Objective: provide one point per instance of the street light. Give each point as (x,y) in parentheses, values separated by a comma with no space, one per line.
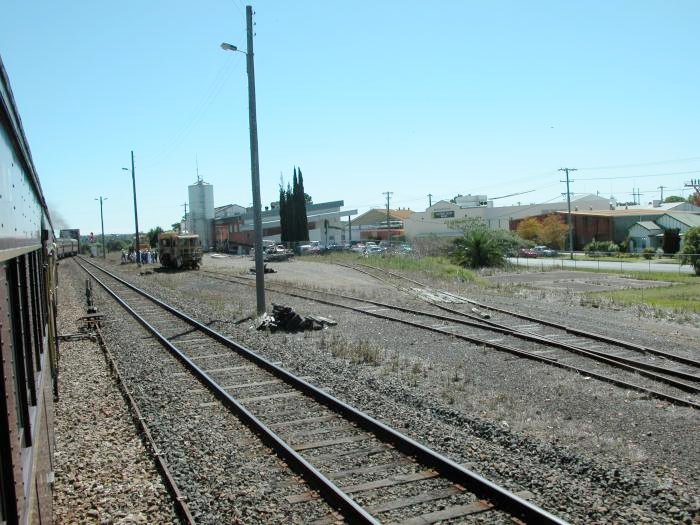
(254,167)
(136,215)
(102,223)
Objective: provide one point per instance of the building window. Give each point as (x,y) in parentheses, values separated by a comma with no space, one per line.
(448,214)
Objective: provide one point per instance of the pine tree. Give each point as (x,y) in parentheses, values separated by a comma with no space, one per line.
(301,209)
(289,214)
(284,235)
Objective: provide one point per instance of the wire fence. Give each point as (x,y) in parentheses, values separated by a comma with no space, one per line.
(611,261)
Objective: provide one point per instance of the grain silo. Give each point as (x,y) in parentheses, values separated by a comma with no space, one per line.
(201,215)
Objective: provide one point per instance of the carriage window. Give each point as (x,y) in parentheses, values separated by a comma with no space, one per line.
(22,392)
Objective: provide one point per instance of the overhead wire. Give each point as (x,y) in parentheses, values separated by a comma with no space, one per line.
(215,88)
(641,164)
(641,176)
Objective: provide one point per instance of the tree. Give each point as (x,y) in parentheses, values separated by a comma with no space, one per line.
(153,236)
(294,224)
(478,248)
(691,249)
(694,198)
(553,231)
(672,240)
(530,229)
(300,200)
(176,226)
(284,224)
(674,198)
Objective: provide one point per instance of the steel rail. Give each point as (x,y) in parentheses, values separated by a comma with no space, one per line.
(504,499)
(631,365)
(574,331)
(328,490)
(509,349)
(181,506)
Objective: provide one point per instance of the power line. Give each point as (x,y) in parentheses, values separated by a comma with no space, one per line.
(655,163)
(644,176)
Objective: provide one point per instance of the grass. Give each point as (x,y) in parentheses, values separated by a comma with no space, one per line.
(683,295)
(358,353)
(433,266)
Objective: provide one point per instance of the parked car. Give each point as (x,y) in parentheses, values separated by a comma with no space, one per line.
(545,251)
(373,250)
(527,252)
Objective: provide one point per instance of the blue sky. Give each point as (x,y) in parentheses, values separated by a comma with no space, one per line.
(446,98)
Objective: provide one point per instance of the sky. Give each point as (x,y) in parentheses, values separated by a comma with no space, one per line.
(443,98)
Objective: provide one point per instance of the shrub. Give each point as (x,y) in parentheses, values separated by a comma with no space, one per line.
(691,249)
(598,248)
(477,249)
(648,253)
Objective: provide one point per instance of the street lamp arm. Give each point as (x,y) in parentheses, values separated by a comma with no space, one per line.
(230,47)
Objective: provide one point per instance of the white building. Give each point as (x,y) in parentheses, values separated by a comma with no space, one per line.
(434,220)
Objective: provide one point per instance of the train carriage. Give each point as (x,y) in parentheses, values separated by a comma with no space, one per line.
(28,343)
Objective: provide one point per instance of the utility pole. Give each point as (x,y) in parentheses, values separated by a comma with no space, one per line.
(695,184)
(430,200)
(568,203)
(254,167)
(662,192)
(187,226)
(254,164)
(136,214)
(388,227)
(102,223)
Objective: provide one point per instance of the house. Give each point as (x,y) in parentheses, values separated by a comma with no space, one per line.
(645,234)
(372,224)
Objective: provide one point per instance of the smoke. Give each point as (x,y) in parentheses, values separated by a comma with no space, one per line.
(58,221)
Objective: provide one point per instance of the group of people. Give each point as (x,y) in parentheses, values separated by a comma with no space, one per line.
(145,256)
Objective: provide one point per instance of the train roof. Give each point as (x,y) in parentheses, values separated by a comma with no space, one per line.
(12,121)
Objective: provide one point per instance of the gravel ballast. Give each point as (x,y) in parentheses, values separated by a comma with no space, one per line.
(586,450)
(103,473)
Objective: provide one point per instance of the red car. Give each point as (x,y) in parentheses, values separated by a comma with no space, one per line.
(527,252)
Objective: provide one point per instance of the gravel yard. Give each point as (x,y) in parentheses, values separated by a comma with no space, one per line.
(588,451)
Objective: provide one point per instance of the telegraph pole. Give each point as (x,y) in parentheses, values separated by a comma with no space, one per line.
(662,193)
(187,226)
(430,200)
(102,223)
(568,203)
(136,214)
(254,167)
(388,227)
(695,184)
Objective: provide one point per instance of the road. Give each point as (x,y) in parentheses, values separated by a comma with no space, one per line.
(621,265)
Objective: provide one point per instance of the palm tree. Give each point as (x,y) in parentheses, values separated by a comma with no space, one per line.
(478,248)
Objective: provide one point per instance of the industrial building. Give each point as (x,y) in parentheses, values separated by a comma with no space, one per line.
(201,199)
(435,220)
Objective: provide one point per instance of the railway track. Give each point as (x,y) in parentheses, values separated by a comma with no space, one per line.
(366,470)
(524,342)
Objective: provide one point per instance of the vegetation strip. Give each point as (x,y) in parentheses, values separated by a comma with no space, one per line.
(502,498)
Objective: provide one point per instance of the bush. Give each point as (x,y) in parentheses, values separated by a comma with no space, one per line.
(648,253)
(598,248)
(691,249)
(477,249)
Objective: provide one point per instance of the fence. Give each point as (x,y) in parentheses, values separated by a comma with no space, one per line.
(609,261)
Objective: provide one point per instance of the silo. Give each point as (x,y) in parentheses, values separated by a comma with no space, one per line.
(201,213)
